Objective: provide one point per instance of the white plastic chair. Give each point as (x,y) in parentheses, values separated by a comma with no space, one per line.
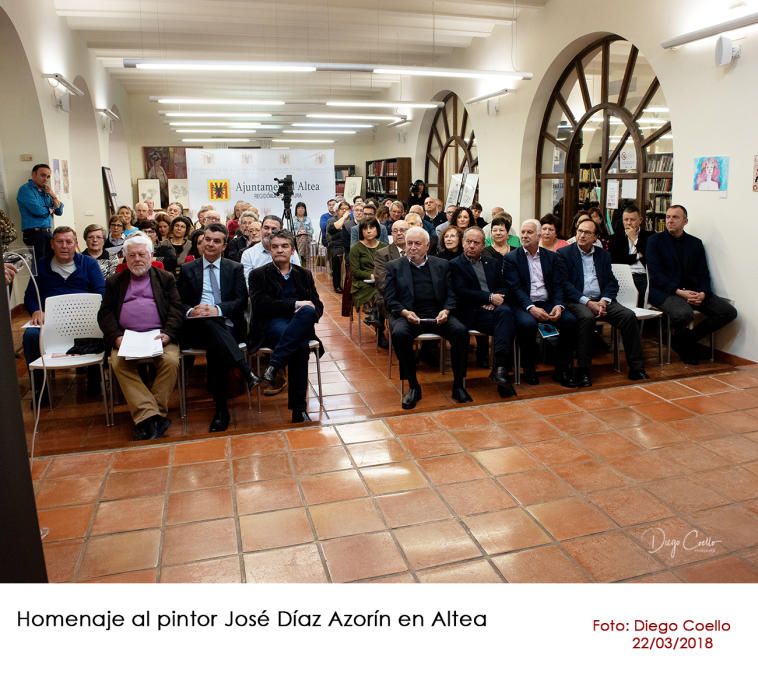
(627,296)
(67,317)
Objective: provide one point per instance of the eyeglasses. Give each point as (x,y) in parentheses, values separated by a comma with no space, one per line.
(584,232)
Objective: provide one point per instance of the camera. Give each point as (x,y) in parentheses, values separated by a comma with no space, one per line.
(285,189)
(416,187)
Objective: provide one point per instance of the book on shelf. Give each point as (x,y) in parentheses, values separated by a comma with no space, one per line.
(660,162)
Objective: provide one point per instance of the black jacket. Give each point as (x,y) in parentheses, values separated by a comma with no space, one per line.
(266,284)
(166,300)
(572,258)
(518,279)
(468,293)
(619,248)
(398,286)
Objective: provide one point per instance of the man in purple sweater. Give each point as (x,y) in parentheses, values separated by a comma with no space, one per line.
(143,298)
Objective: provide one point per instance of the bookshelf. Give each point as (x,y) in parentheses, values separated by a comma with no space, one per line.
(589,174)
(660,168)
(390,177)
(341,173)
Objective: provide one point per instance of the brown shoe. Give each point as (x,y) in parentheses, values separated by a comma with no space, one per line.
(278,384)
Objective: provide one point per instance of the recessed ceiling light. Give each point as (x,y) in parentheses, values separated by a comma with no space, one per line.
(368,117)
(228,125)
(212,101)
(214,131)
(315,131)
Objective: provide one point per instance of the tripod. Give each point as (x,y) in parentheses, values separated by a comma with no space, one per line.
(287,215)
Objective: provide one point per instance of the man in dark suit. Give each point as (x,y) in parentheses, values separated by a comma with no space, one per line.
(286,308)
(420,299)
(591,291)
(680,284)
(214,296)
(629,249)
(480,302)
(393,251)
(534,278)
(143,298)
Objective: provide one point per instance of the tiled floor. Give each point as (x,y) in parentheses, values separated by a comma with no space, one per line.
(581,488)
(560,485)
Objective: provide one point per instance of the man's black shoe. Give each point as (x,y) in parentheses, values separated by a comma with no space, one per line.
(460,395)
(381,340)
(530,376)
(300,417)
(505,392)
(146,429)
(411,398)
(565,378)
(269,376)
(637,375)
(220,421)
(162,424)
(583,378)
(252,381)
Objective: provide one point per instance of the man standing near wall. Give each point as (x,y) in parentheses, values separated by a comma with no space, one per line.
(37,202)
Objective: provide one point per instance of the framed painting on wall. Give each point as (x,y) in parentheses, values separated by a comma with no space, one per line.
(163,163)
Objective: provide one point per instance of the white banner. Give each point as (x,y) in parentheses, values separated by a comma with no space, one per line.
(221,177)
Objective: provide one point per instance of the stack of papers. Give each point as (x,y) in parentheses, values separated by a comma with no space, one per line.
(141,345)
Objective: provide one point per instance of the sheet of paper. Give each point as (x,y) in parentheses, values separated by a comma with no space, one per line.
(139,345)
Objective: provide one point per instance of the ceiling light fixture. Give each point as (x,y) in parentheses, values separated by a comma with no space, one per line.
(302,140)
(324,125)
(450,72)
(713,30)
(488,96)
(214,131)
(217,115)
(227,125)
(213,101)
(212,140)
(400,122)
(109,114)
(368,117)
(315,131)
(385,105)
(231,66)
(56,80)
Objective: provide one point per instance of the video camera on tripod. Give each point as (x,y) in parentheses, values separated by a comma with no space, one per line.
(285,189)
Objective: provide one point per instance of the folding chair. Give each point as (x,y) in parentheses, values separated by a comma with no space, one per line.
(313,346)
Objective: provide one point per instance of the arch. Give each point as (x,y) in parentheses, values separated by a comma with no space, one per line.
(21,125)
(88,198)
(451,146)
(604,138)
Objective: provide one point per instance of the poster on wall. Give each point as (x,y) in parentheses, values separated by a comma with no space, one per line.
(711,174)
(755,173)
(221,177)
(352,188)
(178,191)
(148,189)
(163,163)
(57,182)
(612,195)
(454,190)
(628,158)
(470,182)
(65,180)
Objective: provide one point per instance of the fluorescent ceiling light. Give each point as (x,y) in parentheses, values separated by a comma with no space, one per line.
(315,131)
(368,117)
(214,131)
(655,110)
(316,125)
(212,140)
(228,125)
(651,120)
(385,105)
(220,66)
(212,101)
(450,72)
(110,114)
(302,140)
(400,122)
(713,30)
(217,115)
(488,96)
(56,80)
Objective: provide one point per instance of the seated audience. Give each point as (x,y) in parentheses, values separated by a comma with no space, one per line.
(420,299)
(432,212)
(94,239)
(369,214)
(591,291)
(494,214)
(65,272)
(115,235)
(476,215)
(258,254)
(535,280)
(285,310)
(550,226)
(680,284)
(248,234)
(479,289)
(441,228)
(141,214)
(415,217)
(162,224)
(127,219)
(630,249)
(362,257)
(603,236)
(452,243)
(175,209)
(214,296)
(178,238)
(501,241)
(233,223)
(143,298)
(331,207)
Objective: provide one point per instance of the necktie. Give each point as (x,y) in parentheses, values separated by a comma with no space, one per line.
(215,289)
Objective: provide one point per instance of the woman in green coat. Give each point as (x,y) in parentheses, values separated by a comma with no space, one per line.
(362,256)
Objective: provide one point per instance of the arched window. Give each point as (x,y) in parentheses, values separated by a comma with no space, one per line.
(606,137)
(451,147)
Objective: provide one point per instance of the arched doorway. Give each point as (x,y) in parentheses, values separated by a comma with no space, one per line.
(451,147)
(606,137)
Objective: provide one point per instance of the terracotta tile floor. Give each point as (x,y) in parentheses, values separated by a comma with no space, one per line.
(559,485)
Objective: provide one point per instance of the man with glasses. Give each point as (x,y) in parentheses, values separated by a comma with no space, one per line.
(259,254)
(591,290)
(420,300)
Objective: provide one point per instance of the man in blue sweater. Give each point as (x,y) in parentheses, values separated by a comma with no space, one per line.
(37,202)
(64,272)
(680,284)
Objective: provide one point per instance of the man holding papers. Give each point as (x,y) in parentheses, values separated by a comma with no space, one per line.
(143,299)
